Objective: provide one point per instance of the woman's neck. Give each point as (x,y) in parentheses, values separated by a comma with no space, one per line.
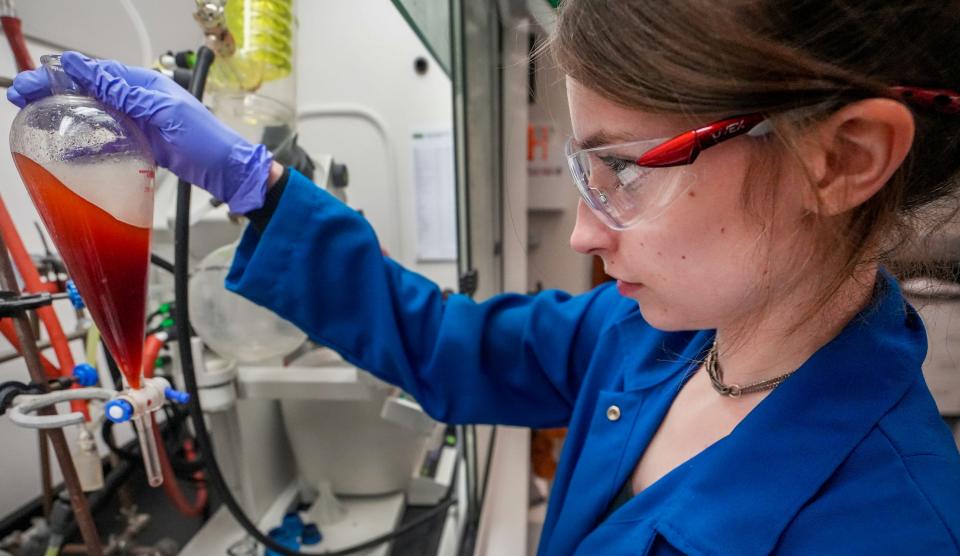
(777,344)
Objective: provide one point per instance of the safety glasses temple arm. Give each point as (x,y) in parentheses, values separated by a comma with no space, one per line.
(941,100)
(686,147)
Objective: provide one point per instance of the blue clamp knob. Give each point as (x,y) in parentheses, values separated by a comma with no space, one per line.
(284,538)
(311,534)
(85,375)
(176,396)
(74,294)
(292,523)
(118,411)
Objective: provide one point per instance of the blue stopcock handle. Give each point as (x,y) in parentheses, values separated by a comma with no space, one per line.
(74,294)
(118,411)
(85,375)
(176,396)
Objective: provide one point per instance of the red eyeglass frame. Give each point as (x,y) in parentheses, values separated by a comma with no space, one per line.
(686,147)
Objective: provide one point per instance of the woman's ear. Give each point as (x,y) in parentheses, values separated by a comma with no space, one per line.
(859,148)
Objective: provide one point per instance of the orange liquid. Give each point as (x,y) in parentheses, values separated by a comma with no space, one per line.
(107,259)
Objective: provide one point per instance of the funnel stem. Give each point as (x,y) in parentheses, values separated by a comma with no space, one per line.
(148,446)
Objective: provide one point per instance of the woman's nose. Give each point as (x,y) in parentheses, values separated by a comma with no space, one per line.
(590,234)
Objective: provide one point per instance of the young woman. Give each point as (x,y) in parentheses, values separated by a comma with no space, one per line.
(752,382)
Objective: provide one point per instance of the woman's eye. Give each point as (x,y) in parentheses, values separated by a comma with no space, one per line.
(615,164)
(627,171)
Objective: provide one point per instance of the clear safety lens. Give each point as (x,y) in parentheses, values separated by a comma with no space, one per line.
(624,193)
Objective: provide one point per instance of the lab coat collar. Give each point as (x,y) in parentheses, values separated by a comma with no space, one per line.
(742,492)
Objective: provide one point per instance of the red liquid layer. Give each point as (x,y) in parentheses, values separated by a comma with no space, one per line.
(107,259)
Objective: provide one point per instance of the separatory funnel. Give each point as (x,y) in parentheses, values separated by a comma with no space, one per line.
(90,174)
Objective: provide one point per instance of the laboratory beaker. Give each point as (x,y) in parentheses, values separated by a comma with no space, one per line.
(90,173)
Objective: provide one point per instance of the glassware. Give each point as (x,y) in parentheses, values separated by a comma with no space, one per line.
(253,91)
(235,328)
(90,173)
(264,34)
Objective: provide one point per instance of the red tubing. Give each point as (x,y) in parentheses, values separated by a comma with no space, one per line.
(6,328)
(191,453)
(33,284)
(171,487)
(151,349)
(12,28)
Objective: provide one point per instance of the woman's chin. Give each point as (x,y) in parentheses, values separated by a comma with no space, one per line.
(664,319)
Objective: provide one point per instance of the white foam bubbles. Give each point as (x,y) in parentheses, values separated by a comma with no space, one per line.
(123,188)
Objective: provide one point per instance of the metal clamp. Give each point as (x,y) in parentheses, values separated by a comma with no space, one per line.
(12,389)
(210,15)
(12,304)
(23,407)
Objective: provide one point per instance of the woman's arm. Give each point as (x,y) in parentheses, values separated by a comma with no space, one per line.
(514,359)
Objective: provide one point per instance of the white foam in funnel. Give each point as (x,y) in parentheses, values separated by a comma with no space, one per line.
(122,188)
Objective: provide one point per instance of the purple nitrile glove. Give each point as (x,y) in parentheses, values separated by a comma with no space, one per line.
(184,136)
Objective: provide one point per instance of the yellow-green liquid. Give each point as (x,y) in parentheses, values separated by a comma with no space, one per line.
(264,32)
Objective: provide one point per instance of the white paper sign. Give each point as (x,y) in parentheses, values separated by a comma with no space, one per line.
(433,178)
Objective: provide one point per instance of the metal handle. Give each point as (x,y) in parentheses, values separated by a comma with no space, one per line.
(23,407)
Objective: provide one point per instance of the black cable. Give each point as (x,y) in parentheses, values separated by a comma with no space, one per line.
(468,537)
(476,470)
(468,463)
(160,262)
(174,434)
(486,468)
(11,389)
(472,526)
(181,244)
(126,454)
(154,330)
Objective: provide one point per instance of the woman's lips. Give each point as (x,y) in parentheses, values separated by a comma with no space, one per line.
(628,289)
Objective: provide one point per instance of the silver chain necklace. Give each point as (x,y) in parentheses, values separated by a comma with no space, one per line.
(715,373)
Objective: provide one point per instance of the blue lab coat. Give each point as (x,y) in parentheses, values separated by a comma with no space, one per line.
(848,456)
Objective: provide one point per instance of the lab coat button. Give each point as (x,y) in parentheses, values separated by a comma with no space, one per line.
(613,413)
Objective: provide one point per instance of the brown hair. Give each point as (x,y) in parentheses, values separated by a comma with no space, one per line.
(738,56)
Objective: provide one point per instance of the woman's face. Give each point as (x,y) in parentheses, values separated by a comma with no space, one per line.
(702,261)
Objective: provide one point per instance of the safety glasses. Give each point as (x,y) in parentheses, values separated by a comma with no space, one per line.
(629,182)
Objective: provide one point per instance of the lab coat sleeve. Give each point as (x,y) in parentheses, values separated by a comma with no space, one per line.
(514,359)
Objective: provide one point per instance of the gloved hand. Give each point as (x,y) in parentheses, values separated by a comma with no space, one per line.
(184,136)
